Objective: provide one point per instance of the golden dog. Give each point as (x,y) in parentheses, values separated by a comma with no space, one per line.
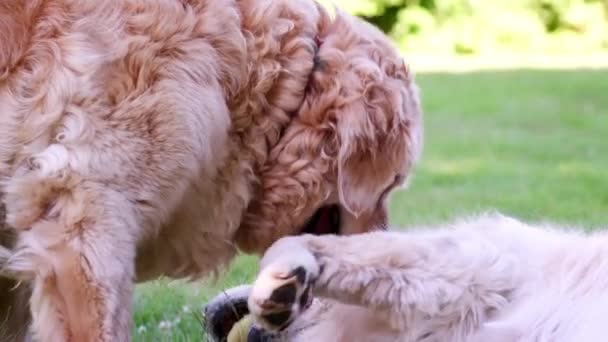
(149,137)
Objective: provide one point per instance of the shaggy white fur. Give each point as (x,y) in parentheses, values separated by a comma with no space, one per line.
(489,278)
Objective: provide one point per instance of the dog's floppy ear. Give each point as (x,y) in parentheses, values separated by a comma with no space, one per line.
(357,193)
(361,172)
(374,143)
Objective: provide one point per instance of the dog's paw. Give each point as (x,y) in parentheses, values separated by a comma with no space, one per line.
(282,290)
(280,295)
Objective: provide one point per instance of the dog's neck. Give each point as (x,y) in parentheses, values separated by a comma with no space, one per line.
(282,45)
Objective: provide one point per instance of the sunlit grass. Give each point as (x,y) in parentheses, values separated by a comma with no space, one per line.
(423,62)
(533,144)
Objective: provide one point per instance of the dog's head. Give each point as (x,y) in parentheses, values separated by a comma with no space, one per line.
(354,139)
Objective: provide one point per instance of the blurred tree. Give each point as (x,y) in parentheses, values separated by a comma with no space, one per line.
(469,26)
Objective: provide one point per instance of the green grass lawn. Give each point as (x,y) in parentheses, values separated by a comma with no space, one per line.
(533,144)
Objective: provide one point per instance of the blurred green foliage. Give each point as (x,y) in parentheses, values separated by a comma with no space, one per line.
(481,26)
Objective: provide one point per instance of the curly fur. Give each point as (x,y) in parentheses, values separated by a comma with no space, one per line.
(141,138)
(361,100)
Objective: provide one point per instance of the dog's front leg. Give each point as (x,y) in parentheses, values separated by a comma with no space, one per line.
(410,278)
(80,264)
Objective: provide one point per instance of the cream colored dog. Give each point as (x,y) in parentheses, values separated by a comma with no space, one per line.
(490,278)
(141,138)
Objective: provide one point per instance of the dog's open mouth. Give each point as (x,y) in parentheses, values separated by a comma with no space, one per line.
(326,220)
